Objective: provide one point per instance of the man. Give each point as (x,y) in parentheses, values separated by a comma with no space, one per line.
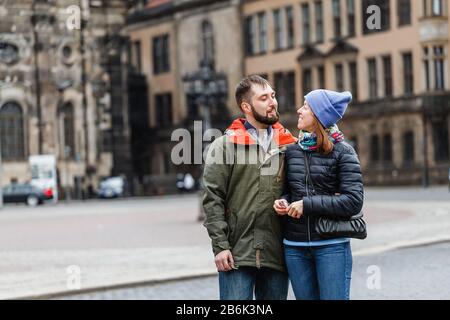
(243,176)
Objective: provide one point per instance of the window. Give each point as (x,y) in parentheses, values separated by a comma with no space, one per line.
(278,28)
(319,21)
(337,18)
(439,73)
(9,53)
(307,81)
(404,12)
(373,81)
(426,68)
(306,24)
(437,8)
(136,60)
(385,15)
(321,76)
(66,114)
(387,68)
(339,77)
(262,21)
(12,132)
(163,107)
(290,27)
(374,149)
(351,17)
(161,54)
(441,141)
(250,36)
(408,147)
(290,90)
(285,87)
(354,80)
(434,61)
(208,41)
(279,87)
(408,73)
(387,148)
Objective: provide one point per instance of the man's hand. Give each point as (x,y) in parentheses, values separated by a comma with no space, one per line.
(281,207)
(224,261)
(295,210)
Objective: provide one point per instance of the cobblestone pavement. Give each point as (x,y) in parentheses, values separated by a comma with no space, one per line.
(134,240)
(411,273)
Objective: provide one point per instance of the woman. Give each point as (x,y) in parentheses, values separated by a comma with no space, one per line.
(320,268)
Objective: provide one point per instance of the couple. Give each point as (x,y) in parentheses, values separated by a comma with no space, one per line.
(260,220)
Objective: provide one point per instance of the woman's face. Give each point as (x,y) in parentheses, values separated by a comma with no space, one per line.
(305,118)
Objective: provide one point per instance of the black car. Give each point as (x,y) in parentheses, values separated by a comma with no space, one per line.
(26,193)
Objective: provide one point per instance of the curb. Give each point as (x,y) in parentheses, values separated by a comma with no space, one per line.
(127,285)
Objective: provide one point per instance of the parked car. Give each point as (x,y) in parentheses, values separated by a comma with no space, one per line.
(26,193)
(111,187)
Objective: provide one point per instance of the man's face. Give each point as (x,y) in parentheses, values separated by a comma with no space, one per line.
(264,105)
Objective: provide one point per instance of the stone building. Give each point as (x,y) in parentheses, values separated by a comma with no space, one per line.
(63,89)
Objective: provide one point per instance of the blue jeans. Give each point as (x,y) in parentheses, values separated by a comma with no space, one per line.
(320,272)
(267,284)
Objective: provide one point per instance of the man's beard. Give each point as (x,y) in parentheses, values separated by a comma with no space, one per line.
(264,119)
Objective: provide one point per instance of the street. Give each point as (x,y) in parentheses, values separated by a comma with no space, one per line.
(419,273)
(142,240)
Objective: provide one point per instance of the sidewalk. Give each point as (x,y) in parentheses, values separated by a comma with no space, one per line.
(392,224)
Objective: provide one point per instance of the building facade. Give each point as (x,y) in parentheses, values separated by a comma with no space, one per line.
(394,59)
(391,54)
(63,90)
(169,40)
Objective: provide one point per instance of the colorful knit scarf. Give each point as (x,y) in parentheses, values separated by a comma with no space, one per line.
(308,141)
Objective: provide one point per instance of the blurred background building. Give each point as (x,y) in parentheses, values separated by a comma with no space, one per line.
(63,90)
(399,73)
(106,97)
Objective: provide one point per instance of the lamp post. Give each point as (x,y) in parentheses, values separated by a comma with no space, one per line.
(206,88)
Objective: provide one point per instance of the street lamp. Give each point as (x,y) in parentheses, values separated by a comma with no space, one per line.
(206,88)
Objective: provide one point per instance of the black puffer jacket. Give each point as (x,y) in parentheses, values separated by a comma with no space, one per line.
(338,188)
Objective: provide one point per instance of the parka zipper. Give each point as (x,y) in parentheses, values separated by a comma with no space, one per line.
(271,156)
(306,155)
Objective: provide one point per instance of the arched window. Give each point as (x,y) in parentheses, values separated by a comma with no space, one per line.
(67,122)
(208,41)
(12,132)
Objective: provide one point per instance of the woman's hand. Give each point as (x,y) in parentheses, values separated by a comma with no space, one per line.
(295,210)
(281,207)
